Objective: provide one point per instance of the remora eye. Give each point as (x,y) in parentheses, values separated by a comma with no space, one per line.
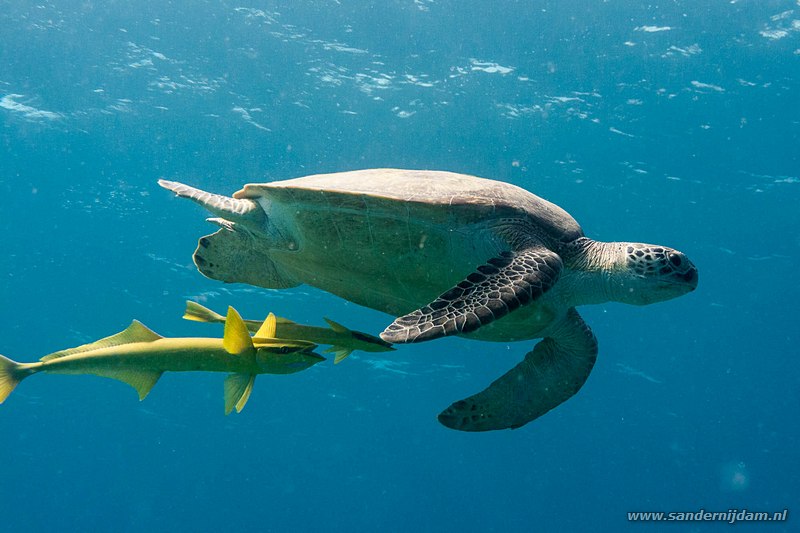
(675,259)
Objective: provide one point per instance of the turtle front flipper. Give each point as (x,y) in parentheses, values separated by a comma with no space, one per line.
(502,285)
(550,374)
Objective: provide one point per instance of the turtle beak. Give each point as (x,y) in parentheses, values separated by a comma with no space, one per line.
(687,274)
(682,282)
(691,277)
(684,273)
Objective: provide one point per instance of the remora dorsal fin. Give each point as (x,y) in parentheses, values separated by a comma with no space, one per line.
(237,338)
(268,328)
(237,391)
(335,326)
(136,332)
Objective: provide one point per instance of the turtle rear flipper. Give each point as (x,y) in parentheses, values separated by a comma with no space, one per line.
(550,374)
(505,283)
(235,257)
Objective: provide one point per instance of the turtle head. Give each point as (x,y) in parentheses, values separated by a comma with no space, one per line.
(648,273)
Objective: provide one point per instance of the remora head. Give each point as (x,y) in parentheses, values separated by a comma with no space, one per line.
(282,356)
(358,340)
(287,359)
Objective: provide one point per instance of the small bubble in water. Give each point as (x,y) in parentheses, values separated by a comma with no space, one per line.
(734,477)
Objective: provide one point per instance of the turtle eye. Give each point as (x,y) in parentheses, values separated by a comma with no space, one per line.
(675,259)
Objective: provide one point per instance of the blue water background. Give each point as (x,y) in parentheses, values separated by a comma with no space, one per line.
(672,122)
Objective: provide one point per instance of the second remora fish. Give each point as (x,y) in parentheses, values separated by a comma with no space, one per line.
(343,341)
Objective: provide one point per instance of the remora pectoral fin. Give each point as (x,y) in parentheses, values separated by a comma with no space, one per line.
(237,391)
(237,338)
(550,374)
(502,285)
(340,353)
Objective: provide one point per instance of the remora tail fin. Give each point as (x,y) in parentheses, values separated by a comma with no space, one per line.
(10,376)
(199,313)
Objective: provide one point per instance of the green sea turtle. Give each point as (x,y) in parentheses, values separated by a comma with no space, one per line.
(449,254)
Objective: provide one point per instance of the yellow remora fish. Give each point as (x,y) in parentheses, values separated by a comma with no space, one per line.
(138,357)
(343,341)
